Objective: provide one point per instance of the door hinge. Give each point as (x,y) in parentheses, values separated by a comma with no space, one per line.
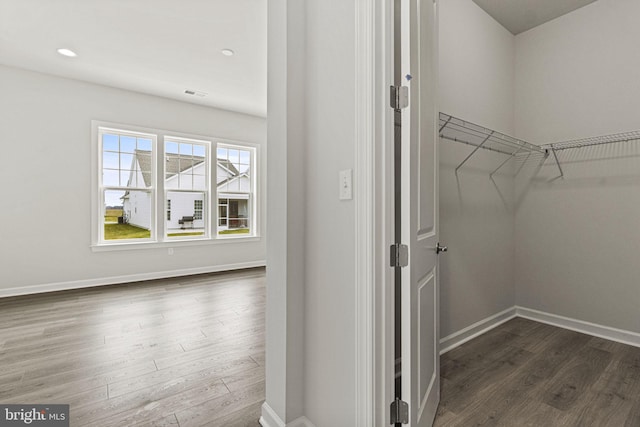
(399,97)
(399,412)
(399,255)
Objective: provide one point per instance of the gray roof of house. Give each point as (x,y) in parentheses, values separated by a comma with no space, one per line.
(175,164)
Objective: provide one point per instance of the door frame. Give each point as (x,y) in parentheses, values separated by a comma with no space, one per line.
(373,180)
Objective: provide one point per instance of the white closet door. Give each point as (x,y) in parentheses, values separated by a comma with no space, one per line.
(420,295)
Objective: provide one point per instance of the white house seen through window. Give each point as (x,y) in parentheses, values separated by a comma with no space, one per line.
(186,171)
(235,190)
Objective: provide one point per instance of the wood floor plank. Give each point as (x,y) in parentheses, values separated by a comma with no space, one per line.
(244,417)
(222,406)
(465,390)
(149,404)
(568,379)
(221,368)
(577,376)
(497,398)
(137,354)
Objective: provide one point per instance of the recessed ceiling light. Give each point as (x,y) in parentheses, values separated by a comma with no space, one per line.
(67,52)
(227,52)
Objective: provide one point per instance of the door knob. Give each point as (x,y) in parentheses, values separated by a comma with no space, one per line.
(440,248)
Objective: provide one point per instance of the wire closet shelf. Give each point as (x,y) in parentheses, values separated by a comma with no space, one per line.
(459,130)
(596,140)
(463,131)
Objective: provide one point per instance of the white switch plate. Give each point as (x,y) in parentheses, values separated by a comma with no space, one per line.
(346,184)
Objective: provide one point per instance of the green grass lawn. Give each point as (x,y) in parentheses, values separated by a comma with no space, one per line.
(185,234)
(124,231)
(235,231)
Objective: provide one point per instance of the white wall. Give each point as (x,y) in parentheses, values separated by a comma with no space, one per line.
(311,290)
(476,215)
(578,238)
(330,223)
(45,132)
(286,192)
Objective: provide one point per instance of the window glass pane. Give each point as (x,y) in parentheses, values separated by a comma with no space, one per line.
(127,215)
(171,147)
(111,178)
(186,149)
(187,214)
(245,157)
(185,182)
(127,144)
(222,153)
(110,142)
(186,163)
(199,182)
(244,184)
(171,182)
(126,161)
(222,173)
(144,144)
(199,150)
(234,156)
(233,185)
(144,165)
(233,217)
(127,179)
(244,169)
(110,160)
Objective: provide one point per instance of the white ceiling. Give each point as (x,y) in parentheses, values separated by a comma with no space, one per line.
(519,16)
(159,47)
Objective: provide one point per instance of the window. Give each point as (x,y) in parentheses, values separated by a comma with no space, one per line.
(235,190)
(154,187)
(197,209)
(126,185)
(186,170)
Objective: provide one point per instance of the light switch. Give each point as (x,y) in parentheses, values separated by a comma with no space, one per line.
(346,184)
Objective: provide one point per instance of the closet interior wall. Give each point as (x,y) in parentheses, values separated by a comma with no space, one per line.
(476,214)
(577,238)
(567,246)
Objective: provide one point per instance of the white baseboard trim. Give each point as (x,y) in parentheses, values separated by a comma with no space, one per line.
(301,422)
(606,332)
(269,418)
(456,339)
(104,281)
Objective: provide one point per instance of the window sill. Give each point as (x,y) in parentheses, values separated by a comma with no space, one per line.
(109,247)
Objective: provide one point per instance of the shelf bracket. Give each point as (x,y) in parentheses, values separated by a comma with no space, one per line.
(557,162)
(474,151)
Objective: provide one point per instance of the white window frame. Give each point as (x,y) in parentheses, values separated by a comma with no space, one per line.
(159,193)
(253,194)
(120,131)
(206,217)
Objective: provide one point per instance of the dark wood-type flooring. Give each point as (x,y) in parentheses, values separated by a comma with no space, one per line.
(173,352)
(525,373)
